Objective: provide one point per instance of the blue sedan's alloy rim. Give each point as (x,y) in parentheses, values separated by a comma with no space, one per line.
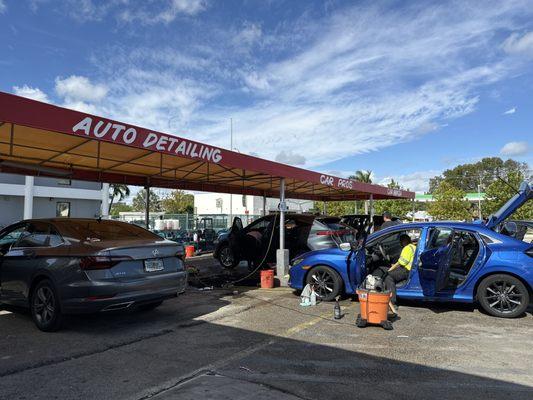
(44,305)
(503,296)
(323,283)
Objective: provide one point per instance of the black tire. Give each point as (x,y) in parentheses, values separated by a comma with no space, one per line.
(503,296)
(150,306)
(45,307)
(226,257)
(327,282)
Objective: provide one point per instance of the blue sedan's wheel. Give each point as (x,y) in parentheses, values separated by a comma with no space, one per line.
(503,296)
(326,281)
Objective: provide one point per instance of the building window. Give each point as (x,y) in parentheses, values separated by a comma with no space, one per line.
(63,209)
(64,182)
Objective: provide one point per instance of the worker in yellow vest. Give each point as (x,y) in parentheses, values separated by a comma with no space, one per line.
(401,269)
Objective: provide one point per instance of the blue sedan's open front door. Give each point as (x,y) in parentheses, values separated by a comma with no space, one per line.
(434,268)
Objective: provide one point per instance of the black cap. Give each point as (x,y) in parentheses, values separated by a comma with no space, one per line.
(387,214)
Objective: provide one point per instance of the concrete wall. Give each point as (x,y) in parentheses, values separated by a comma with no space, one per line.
(46,208)
(84,197)
(12,209)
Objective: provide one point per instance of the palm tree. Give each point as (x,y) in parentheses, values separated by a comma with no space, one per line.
(362,176)
(118,190)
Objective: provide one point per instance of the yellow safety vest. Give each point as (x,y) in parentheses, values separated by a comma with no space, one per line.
(407,256)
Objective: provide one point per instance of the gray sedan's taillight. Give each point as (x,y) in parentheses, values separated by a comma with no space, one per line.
(101,262)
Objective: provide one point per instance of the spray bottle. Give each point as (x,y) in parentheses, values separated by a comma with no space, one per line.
(337,310)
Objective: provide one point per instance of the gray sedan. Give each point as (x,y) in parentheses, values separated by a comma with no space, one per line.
(68,266)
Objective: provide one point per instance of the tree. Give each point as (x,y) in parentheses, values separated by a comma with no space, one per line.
(119,192)
(449,203)
(502,190)
(139,201)
(362,176)
(178,202)
(117,208)
(467,177)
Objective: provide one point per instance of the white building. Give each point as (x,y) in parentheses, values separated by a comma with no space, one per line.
(23,197)
(219,203)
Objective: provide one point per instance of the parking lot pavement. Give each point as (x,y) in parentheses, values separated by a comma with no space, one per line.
(261,344)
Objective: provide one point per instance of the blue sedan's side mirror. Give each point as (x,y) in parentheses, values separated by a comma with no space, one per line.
(509,229)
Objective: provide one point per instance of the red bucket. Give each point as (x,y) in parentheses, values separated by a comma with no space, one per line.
(267,279)
(189,251)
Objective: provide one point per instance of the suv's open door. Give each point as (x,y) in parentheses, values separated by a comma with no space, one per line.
(524,194)
(434,268)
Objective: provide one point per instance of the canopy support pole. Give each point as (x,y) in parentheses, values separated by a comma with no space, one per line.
(264,205)
(104,212)
(147,209)
(282,254)
(371,207)
(28,197)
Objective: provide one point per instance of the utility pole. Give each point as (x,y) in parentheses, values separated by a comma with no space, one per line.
(231,195)
(479,197)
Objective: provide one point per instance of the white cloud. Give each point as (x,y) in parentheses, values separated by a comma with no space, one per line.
(358,80)
(190,7)
(171,10)
(3,7)
(249,35)
(31,93)
(515,149)
(255,81)
(79,89)
(290,157)
(510,111)
(415,181)
(519,44)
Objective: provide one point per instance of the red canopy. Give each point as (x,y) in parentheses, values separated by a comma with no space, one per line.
(42,139)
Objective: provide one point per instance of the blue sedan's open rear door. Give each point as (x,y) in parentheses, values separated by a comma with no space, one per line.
(524,194)
(434,268)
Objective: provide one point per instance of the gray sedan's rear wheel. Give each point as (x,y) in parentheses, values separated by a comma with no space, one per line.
(503,296)
(226,257)
(326,281)
(45,307)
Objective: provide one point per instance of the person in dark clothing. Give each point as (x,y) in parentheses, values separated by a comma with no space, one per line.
(387,218)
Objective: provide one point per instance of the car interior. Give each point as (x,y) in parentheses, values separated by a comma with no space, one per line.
(464,251)
(386,250)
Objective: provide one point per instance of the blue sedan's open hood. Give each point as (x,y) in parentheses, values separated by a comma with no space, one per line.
(524,194)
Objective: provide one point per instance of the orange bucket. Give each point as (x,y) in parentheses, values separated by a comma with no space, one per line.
(374,306)
(267,279)
(189,251)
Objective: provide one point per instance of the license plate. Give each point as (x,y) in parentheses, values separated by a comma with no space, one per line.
(153,265)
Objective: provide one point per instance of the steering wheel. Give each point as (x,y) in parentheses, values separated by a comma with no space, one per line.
(382,251)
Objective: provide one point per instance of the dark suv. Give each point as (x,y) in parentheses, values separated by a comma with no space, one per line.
(257,242)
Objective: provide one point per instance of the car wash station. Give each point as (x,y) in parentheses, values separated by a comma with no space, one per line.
(38,139)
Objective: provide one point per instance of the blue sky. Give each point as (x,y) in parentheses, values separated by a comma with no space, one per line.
(405,89)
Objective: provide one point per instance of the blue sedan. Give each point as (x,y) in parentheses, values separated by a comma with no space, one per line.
(454,261)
